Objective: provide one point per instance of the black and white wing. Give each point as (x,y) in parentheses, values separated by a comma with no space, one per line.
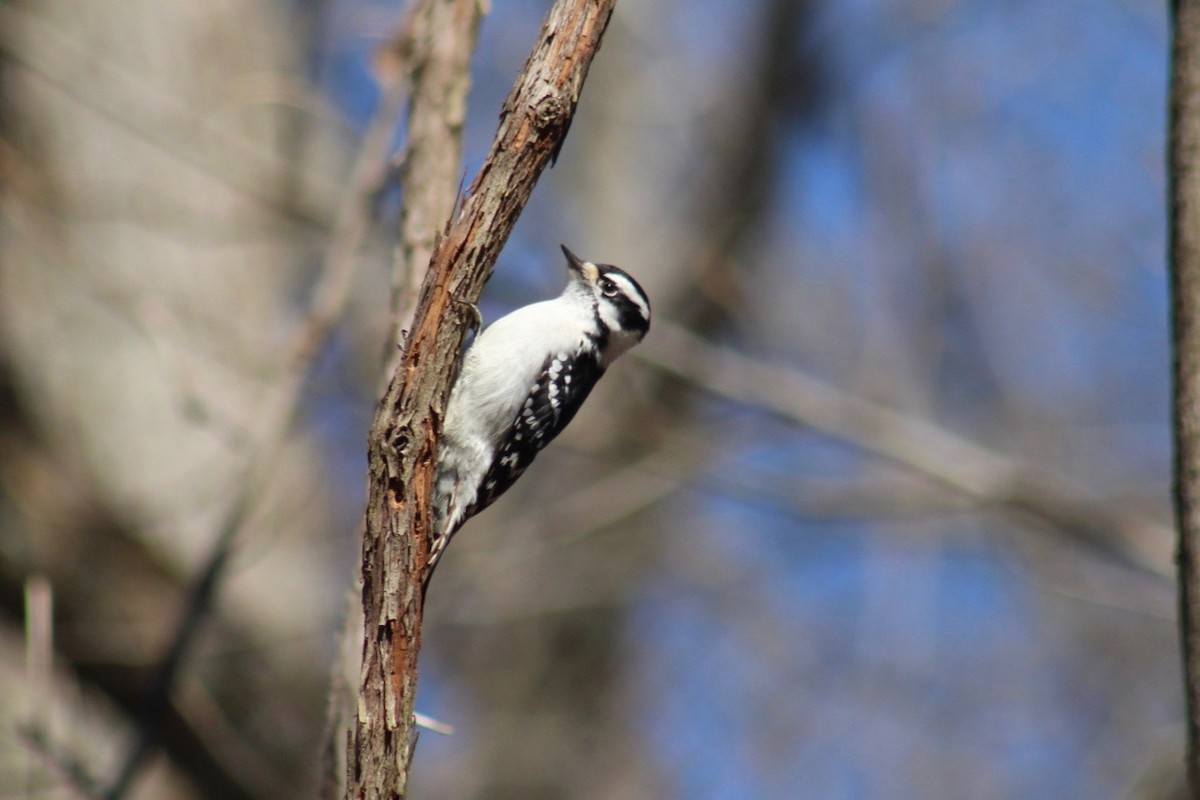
(563,384)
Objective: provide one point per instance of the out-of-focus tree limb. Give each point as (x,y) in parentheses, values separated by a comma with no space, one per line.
(109,542)
(1184,178)
(439,71)
(279,408)
(123,156)
(277,417)
(161,119)
(985,476)
(401,448)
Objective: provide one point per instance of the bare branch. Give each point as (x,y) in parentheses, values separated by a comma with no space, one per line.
(984,476)
(533,124)
(162,120)
(1184,180)
(276,420)
(66,763)
(439,70)
(431,53)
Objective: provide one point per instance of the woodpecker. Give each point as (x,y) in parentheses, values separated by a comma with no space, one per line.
(522,381)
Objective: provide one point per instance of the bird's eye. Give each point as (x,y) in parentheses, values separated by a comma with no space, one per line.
(608,287)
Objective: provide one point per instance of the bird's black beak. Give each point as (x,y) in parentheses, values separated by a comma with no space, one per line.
(573,261)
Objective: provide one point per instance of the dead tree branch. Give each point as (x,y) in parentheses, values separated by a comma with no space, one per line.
(430,55)
(1184,178)
(401,449)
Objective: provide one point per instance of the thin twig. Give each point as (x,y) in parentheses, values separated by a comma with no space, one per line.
(276,419)
(157,117)
(985,476)
(66,763)
(39,658)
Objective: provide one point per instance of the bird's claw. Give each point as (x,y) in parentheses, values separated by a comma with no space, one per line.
(476,314)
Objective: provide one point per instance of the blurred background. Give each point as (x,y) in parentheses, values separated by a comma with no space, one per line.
(878,510)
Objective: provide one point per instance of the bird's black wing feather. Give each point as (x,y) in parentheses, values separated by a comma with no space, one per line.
(561,387)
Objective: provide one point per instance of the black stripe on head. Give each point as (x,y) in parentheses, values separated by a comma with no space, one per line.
(601,339)
(630,301)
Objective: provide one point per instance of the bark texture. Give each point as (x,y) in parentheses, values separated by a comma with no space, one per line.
(402,445)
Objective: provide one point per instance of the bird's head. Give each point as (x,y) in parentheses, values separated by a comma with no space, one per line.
(621,306)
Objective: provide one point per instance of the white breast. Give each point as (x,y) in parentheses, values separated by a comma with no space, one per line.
(500,368)
(498,373)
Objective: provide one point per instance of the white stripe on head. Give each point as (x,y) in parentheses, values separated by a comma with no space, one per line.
(630,290)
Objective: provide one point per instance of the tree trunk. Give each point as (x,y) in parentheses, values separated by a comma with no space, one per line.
(1185,306)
